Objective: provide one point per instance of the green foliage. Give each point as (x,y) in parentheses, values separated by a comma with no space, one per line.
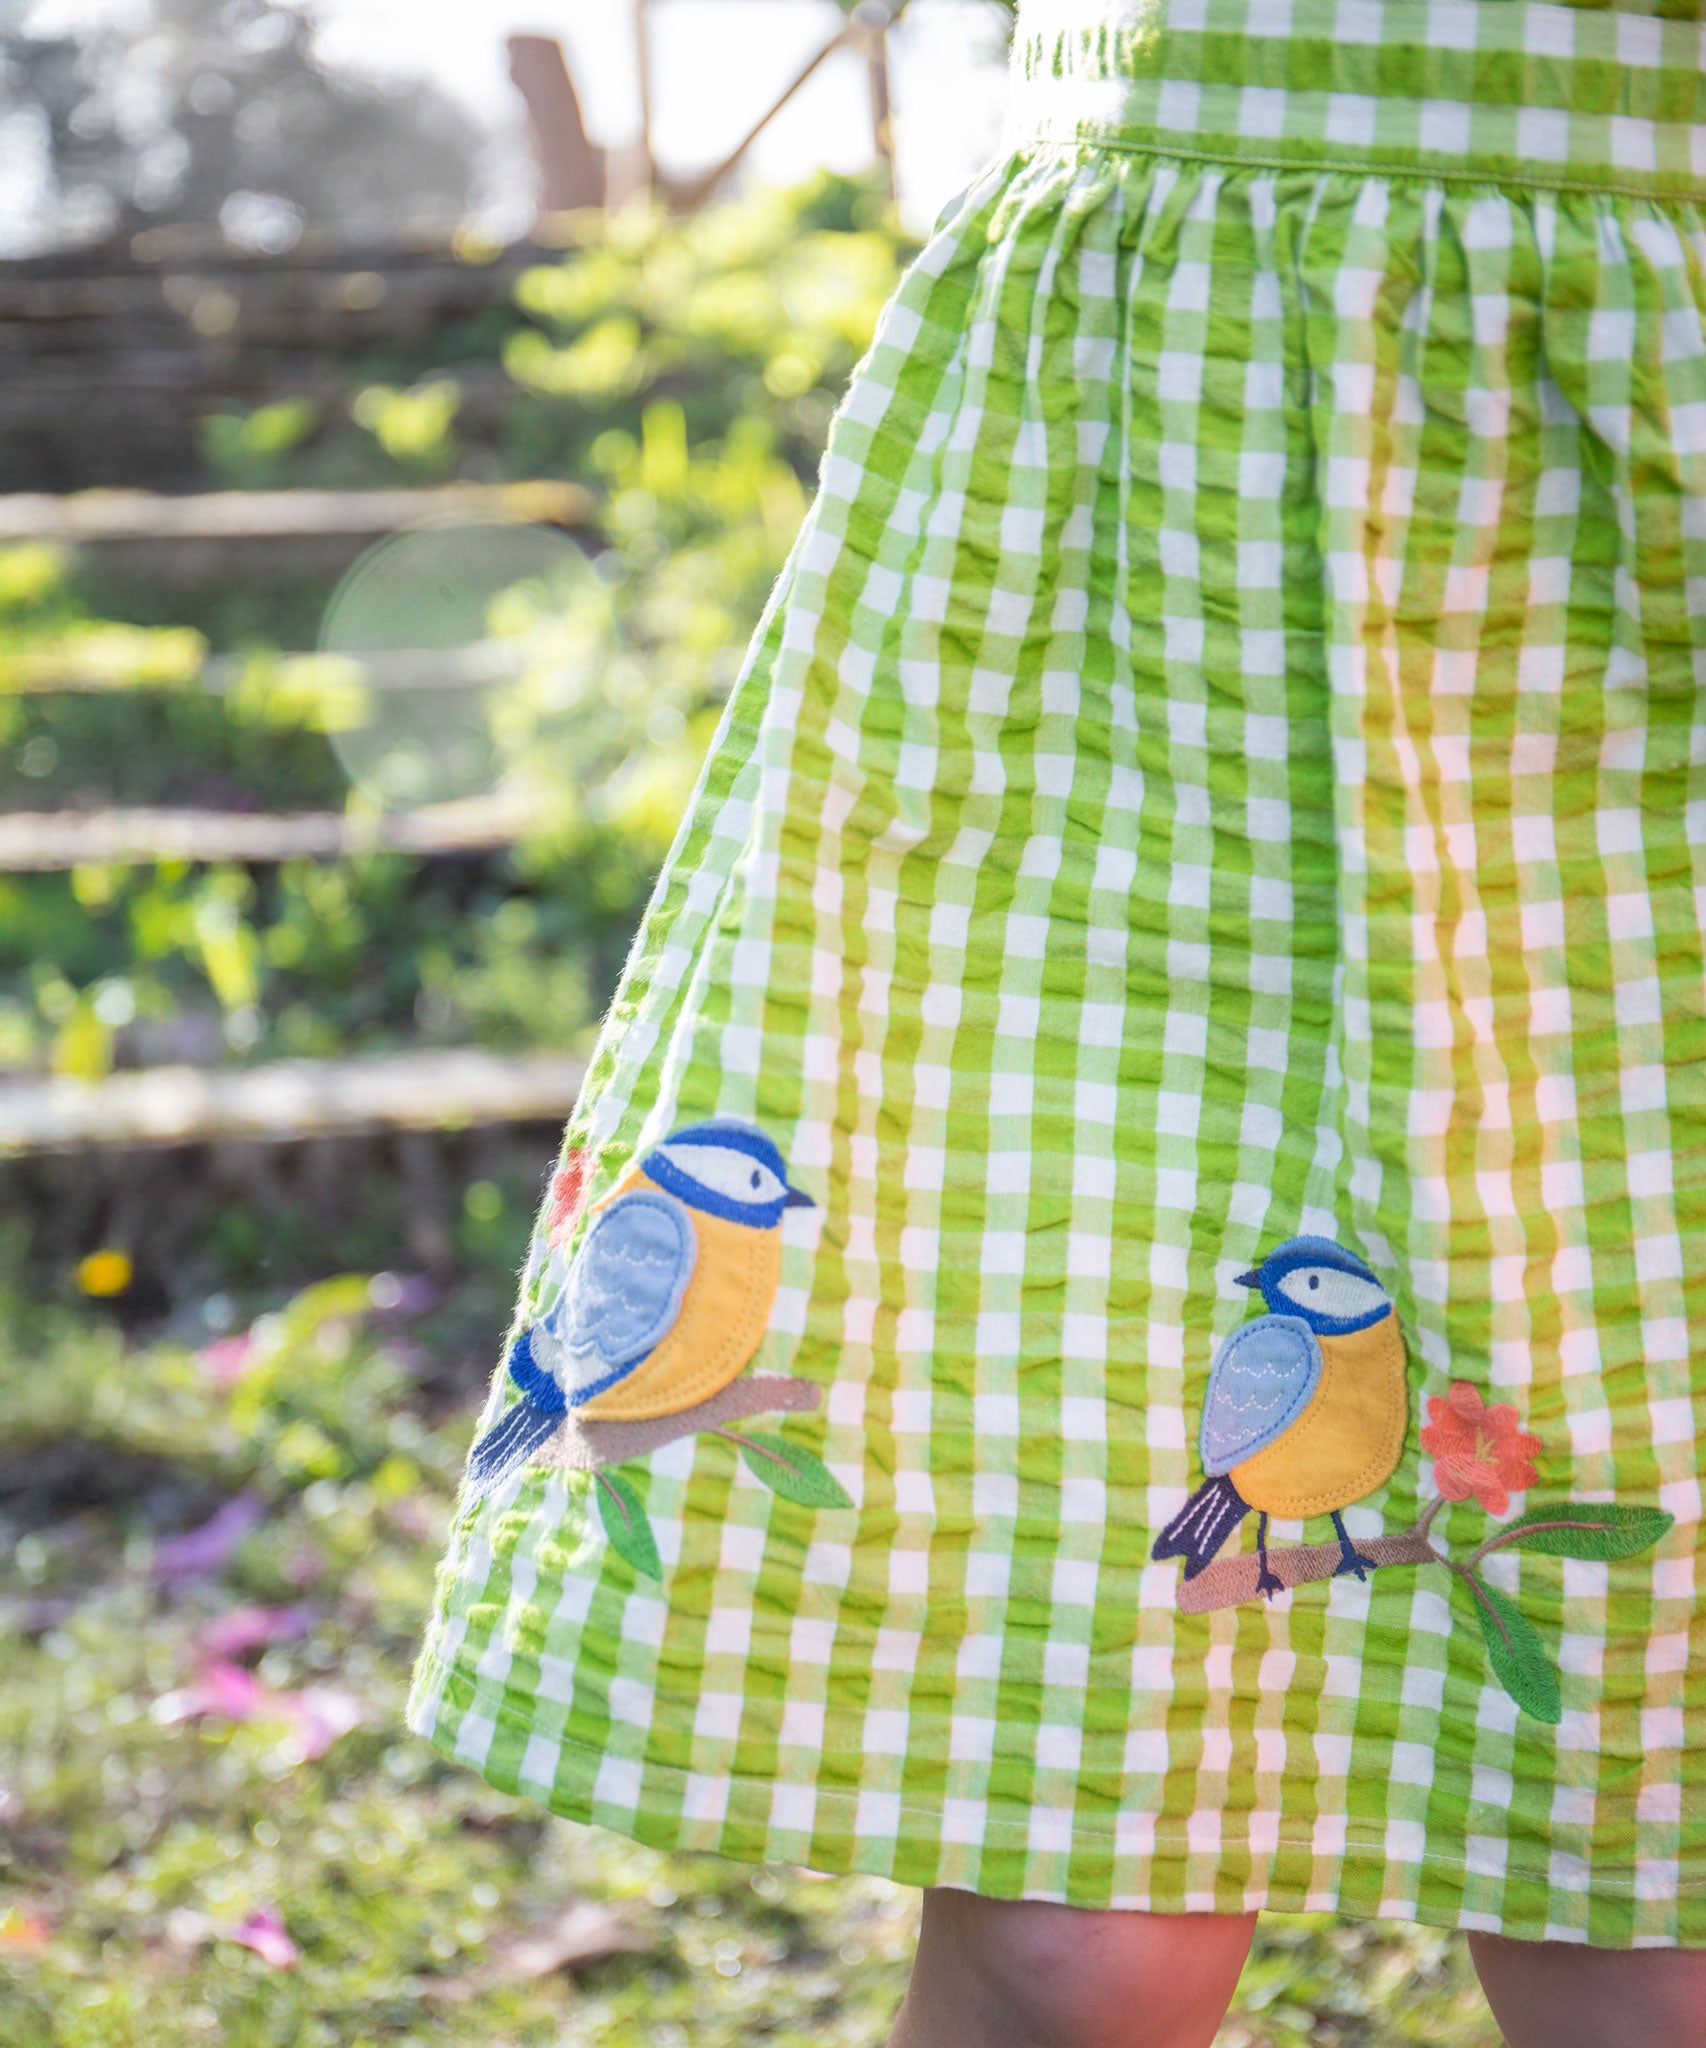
(44,641)
(684,372)
(753,311)
(1315,1983)
(413,427)
(135,1840)
(248,450)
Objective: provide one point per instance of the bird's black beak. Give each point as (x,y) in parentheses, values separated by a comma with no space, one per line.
(1251,1279)
(797,1198)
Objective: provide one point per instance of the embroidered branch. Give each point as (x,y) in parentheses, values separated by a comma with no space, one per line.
(580,1446)
(1230,1580)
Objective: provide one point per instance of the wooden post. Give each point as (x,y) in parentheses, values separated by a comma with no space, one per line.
(874,18)
(571,168)
(643,62)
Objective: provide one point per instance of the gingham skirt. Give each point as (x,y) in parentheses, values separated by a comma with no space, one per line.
(1224,765)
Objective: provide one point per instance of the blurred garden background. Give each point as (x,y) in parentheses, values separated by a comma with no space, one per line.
(405,412)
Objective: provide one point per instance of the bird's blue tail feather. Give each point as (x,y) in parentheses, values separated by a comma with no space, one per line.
(510,1442)
(1202,1525)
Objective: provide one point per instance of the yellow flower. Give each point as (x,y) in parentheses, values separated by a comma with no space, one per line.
(105,1273)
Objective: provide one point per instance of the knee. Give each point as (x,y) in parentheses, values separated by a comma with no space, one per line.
(1047,1974)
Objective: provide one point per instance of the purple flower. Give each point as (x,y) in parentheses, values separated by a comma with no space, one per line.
(200,1552)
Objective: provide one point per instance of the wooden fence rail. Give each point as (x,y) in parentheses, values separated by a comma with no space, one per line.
(52,842)
(289,1101)
(52,671)
(97,517)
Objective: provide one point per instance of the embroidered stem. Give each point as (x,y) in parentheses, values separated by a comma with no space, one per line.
(1515,1534)
(621,1505)
(753,1450)
(1426,1522)
(1478,1594)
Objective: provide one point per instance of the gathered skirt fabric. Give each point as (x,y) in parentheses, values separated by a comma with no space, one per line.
(1224,767)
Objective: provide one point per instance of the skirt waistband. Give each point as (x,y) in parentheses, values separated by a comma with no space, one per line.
(1487,91)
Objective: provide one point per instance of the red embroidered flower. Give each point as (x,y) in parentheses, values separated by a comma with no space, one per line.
(568,1185)
(1478,1450)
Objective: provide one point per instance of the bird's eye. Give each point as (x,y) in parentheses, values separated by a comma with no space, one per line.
(1325,1291)
(726,1171)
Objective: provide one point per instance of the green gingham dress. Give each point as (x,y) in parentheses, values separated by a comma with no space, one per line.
(1225,764)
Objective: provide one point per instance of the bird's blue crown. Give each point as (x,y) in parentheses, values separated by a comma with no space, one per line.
(725,1167)
(1330,1288)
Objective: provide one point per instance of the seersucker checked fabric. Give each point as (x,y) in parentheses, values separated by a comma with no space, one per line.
(1223,772)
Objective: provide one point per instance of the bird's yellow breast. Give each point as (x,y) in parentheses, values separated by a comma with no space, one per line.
(722,1317)
(1347,1441)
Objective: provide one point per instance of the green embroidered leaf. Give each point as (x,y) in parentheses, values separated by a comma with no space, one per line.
(1599,1529)
(788,1469)
(1516,1653)
(626,1525)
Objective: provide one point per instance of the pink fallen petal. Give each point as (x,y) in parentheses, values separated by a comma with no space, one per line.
(267,1935)
(318,1716)
(230,1690)
(234,1691)
(315,1717)
(227,1359)
(249,1628)
(200,1552)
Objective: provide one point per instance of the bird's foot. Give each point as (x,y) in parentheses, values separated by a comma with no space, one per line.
(1356,1562)
(1269,1583)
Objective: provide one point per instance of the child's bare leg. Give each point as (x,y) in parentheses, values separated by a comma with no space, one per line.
(1561,1994)
(994,1973)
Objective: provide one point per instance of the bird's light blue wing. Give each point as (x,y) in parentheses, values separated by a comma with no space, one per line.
(622,1294)
(1263,1378)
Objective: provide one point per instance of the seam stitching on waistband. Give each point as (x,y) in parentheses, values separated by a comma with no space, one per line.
(1089,137)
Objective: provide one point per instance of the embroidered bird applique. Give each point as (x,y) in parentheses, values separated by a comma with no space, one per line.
(1305,1411)
(666,1299)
